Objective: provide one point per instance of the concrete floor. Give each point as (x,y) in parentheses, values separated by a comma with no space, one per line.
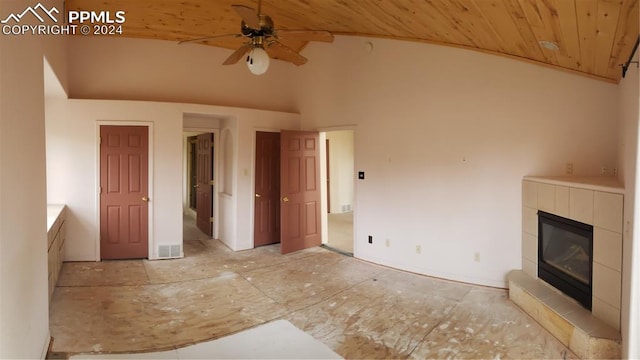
(358,309)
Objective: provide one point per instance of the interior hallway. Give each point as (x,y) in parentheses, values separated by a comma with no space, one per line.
(340,231)
(358,309)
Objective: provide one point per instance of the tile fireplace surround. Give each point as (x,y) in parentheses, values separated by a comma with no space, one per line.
(596,201)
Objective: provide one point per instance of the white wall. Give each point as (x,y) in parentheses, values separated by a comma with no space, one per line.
(445,136)
(24,311)
(153,70)
(72,161)
(72,151)
(228,174)
(137,69)
(341,175)
(628,104)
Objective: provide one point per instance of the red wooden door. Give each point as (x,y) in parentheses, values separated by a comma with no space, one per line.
(299,190)
(124,152)
(267,195)
(204,184)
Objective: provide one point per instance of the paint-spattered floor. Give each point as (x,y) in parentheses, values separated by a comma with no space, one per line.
(358,309)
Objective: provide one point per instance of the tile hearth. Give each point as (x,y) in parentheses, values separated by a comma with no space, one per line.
(575,327)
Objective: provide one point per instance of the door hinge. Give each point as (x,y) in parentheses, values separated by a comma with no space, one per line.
(212,182)
(211,219)
(100,189)
(100,141)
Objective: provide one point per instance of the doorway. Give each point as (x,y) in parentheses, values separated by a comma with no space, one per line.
(340,189)
(192,151)
(199,194)
(287,190)
(267,189)
(124,192)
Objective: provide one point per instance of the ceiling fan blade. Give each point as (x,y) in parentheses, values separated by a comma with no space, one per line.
(207,38)
(279,51)
(305,35)
(249,15)
(237,55)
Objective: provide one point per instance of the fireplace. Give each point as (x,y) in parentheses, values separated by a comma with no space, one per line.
(565,256)
(597,201)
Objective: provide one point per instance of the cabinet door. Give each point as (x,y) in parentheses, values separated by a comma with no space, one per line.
(52,268)
(60,251)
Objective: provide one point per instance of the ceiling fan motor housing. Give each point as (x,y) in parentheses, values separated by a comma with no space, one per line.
(266,28)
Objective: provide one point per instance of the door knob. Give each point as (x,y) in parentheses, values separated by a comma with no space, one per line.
(258,195)
(285,199)
(145,199)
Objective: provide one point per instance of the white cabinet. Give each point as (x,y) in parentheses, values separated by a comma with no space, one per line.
(55,242)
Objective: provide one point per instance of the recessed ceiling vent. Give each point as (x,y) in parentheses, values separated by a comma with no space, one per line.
(549,45)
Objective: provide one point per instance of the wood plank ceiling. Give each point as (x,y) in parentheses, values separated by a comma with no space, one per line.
(593,36)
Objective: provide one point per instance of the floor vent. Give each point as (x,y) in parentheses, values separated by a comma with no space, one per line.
(168,251)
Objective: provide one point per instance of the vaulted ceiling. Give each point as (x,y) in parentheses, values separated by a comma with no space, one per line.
(593,37)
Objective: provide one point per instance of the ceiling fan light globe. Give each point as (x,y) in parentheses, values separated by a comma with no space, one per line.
(258,61)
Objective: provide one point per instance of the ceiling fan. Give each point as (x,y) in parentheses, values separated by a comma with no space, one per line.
(263,40)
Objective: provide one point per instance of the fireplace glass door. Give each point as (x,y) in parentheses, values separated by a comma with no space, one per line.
(565,255)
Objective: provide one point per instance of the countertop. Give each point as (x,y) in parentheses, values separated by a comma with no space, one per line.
(599,183)
(53,212)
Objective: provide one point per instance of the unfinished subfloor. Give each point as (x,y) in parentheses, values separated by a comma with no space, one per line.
(358,309)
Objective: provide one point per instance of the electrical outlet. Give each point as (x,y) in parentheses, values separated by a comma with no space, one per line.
(418,249)
(476,257)
(569,168)
(603,170)
(370,239)
(615,171)
(387,243)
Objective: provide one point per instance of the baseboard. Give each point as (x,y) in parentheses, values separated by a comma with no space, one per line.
(331,248)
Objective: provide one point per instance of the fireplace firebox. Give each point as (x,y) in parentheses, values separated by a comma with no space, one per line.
(565,256)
